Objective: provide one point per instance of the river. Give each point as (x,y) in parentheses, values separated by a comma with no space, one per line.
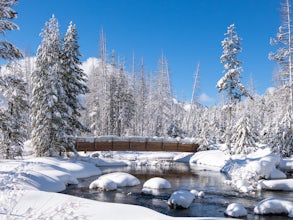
(218,195)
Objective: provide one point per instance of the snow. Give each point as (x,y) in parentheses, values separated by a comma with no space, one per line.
(286,164)
(111,138)
(157,183)
(45,174)
(199,194)
(274,206)
(215,159)
(181,199)
(112,181)
(236,210)
(104,184)
(34,182)
(246,171)
(3,103)
(154,185)
(280,185)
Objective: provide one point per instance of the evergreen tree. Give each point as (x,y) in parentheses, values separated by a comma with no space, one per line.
(49,113)
(14,118)
(74,84)
(7,50)
(230,82)
(244,138)
(282,142)
(11,143)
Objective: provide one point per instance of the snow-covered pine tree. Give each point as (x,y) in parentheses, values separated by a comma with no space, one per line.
(49,113)
(244,138)
(74,84)
(14,118)
(7,50)
(230,82)
(283,139)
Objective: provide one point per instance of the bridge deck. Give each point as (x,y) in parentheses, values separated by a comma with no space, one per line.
(100,144)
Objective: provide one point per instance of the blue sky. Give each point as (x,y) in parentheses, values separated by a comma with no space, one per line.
(187,31)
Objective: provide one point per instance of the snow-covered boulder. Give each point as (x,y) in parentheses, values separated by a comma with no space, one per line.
(181,199)
(157,183)
(213,158)
(236,210)
(281,184)
(113,180)
(199,194)
(274,206)
(104,184)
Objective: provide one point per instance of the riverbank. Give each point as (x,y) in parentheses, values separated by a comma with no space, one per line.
(29,186)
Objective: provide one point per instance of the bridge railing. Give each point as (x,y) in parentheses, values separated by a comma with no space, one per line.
(114,143)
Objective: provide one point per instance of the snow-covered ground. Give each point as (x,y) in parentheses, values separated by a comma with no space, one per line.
(29,186)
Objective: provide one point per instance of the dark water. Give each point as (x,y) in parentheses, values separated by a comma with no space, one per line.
(218,195)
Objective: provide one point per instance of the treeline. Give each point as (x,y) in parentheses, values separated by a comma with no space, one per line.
(51,100)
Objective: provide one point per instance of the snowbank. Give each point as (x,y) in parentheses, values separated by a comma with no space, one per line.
(45,205)
(274,206)
(246,171)
(45,174)
(281,185)
(114,180)
(213,158)
(75,168)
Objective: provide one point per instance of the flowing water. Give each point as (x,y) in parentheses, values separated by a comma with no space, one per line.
(218,195)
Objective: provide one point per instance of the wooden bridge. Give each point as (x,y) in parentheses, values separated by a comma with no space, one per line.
(113,143)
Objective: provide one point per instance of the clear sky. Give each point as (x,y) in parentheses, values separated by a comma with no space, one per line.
(187,31)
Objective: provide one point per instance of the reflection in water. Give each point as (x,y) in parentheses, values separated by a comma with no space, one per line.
(218,195)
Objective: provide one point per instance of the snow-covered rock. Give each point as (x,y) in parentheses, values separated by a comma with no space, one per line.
(103,183)
(157,183)
(274,206)
(199,194)
(181,199)
(281,184)
(214,158)
(236,210)
(111,181)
